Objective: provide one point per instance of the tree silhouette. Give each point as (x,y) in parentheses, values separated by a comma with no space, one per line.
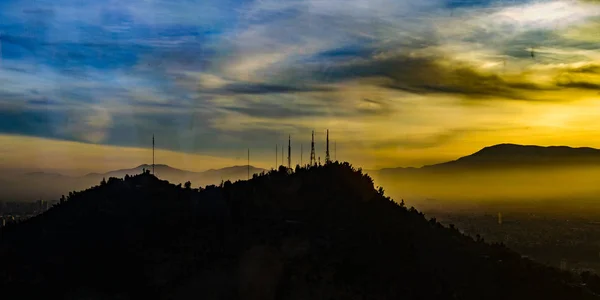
(188,185)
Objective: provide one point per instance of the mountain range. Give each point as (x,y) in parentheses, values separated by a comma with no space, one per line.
(501,158)
(51,185)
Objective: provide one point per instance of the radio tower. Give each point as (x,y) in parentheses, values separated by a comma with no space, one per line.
(327,160)
(153,154)
(301,154)
(248,163)
(313,161)
(289,152)
(276,153)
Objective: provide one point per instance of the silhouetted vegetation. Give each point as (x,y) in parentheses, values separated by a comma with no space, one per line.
(319,232)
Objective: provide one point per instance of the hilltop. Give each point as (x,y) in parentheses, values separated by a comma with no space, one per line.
(316,233)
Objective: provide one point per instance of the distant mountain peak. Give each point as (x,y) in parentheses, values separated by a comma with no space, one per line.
(156,166)
(508,155)
(41,173)
(534,150)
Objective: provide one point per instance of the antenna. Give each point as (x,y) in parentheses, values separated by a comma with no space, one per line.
(276,153)
(289,152)
(282,155)
(335,150)
(300,154)
(153,154)
(327,149)
(312,150)
(248,163)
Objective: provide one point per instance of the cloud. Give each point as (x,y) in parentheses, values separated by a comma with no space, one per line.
(433,75)
(89,125)
(258,88)
(581,85)
(207,76)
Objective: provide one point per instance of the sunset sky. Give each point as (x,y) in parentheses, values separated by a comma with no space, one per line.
(85,84)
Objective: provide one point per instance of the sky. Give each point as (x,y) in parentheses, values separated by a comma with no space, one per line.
(85,84)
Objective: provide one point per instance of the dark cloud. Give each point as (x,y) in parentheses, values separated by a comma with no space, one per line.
(40,123)
(321,105)
(578,78)
(354,51)
(273,111)
(480,3)
(580,85)
(431,76)
(43,102)
(263,88)
(589,69)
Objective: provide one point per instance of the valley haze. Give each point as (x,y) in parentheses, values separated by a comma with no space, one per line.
(32,186)
(499,177)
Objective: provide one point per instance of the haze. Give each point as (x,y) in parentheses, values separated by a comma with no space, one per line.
(564,189)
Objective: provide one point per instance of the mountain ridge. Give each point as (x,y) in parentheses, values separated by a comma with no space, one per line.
(52,185)
(138,169)
(507,155)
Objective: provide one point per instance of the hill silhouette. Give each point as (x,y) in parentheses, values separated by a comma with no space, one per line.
(321,232)
(505,156)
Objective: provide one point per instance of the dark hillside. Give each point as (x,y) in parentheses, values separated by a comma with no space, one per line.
(316,233)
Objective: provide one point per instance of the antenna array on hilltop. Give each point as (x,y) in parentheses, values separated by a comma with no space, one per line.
(313,159)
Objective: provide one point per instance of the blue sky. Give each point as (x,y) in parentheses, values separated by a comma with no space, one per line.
(394,81)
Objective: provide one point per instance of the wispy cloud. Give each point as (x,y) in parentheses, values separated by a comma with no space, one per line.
(215,76)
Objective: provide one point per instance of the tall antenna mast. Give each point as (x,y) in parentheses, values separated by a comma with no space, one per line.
(312,150)
(289,152)
(276,153)
(248,163)
(300,154)
(153,154)
(282,155)
(327,149)
(335,150)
